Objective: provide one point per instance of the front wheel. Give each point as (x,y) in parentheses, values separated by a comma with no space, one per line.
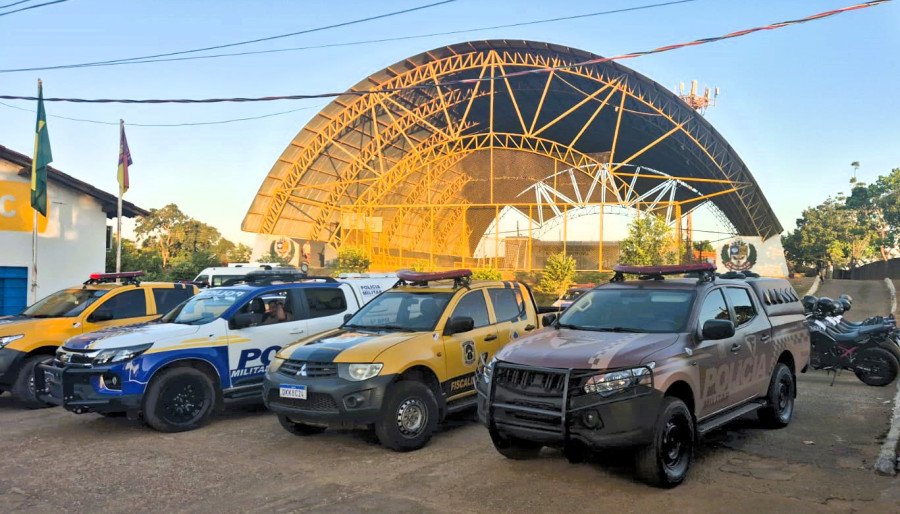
(779,408)
(666,460)
(875,366)
(408,418)
(23,391)
(179,399)
(298,428)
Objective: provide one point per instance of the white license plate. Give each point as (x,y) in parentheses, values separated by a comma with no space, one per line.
(298,392)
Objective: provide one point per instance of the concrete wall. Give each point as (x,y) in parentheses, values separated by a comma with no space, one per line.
(71,244)
(752,254)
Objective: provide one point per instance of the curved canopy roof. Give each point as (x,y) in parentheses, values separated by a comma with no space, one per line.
(459,149)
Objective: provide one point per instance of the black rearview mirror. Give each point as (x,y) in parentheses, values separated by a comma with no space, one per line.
(718,329)
(548,319)
(241,320)
(459,325)
(347,317)
(100,315)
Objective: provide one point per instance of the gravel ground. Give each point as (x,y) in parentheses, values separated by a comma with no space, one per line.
(244,461)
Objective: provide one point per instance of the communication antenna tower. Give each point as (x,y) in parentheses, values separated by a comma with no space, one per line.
(697,101)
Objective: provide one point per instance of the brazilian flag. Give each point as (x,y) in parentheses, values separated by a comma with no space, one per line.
(42,157)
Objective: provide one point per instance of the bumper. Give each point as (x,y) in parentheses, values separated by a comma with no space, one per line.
(79,389)
(10,363)
(330,401)
(624,420)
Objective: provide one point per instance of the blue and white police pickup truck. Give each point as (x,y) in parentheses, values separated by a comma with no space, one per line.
(210,350)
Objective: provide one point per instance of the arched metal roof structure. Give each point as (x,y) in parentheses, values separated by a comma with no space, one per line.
(426,168)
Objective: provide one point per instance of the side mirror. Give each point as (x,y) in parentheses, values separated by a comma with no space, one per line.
(241,320)
(100,315)
(459,325)
(548,319)
(347,317)
(718,329)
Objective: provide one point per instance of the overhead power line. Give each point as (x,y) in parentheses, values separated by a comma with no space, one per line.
(29,7)
(126,60)
(185,124)
(632,55)
(354,43)
(15,3)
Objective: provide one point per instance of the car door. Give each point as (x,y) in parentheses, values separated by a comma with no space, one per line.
(250,348)
(511,314)
(462,350)
(117,308)
(715,358)
(325,308)
(752,373)
(167,298)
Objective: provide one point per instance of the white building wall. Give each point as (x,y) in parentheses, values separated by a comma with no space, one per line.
(72,246)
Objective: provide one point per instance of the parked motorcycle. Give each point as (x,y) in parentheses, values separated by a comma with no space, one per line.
(869,349)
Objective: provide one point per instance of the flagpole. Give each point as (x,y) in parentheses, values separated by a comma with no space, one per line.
(119,215)
(34,225)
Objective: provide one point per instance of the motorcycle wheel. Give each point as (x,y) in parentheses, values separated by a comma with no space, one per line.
(876,367)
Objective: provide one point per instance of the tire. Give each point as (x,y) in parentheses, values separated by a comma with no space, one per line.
(23,388)
(779,408)
(879,366)
(409,416)
(514,448)
(666,460)
(179,399)
(297,428)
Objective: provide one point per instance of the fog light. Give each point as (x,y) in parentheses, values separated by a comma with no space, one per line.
(110,381)
(352,401)
(591,419)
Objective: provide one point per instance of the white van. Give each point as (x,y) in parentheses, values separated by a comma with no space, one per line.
(215,276)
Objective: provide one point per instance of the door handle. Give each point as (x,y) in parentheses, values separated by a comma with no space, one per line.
(490,337)
(529,327)
(765,337)
(297,331)
(736,346)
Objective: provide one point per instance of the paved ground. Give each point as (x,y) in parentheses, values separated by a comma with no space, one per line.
(54,460)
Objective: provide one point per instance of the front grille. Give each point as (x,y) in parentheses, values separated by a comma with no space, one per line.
(299,368)
(540,383)
(74,357)
(319,402)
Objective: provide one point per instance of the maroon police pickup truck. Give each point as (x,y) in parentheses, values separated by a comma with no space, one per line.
(649,364)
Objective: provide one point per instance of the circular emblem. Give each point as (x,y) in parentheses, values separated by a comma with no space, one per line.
(738,255)
(284,248)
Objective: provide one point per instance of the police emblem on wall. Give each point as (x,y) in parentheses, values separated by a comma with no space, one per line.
(284,248)
(738,256)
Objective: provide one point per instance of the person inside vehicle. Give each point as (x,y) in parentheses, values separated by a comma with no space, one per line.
(276,313)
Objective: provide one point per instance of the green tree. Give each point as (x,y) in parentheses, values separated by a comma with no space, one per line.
(649,242)
(703,246)
(352,260)
(559,271)
(487,274)
(159,230)
(885,194)
(238,253)
(824,235)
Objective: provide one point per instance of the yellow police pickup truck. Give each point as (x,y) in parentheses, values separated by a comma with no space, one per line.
(403,361)
(33,336)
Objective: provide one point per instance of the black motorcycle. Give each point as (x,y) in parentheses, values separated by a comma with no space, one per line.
(868,349)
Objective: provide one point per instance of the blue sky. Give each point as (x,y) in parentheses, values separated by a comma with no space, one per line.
(798,104)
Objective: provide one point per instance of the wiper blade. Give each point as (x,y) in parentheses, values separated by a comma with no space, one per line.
(621,329)
(565,325)
(389,327)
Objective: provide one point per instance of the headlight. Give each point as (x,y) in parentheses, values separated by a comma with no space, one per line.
(488,371)
(5,340)
(357,372)
(275,363)
(120,354)
(608,384)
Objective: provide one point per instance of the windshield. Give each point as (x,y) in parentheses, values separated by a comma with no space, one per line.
(64,304)
(204,307)
(405,311)
(630,310)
